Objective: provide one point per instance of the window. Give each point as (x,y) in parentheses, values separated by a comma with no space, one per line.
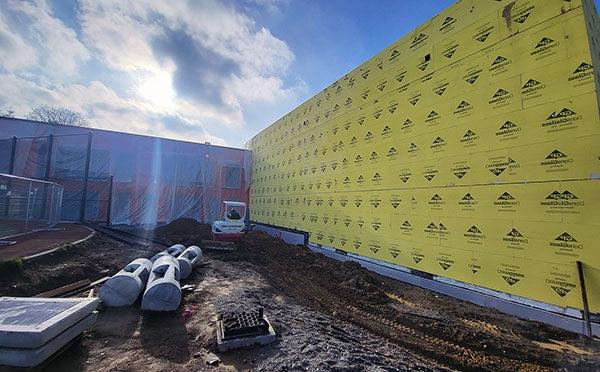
(232,176)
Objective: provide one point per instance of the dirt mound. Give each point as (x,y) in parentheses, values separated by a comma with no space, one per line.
(186,231)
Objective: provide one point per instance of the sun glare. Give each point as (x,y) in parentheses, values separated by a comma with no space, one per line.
(158,90)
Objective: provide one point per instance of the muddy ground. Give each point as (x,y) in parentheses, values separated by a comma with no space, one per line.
(328,316)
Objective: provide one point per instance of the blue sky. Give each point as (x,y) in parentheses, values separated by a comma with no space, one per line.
(199,70)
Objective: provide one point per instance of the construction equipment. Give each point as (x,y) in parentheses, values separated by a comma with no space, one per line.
(232,226)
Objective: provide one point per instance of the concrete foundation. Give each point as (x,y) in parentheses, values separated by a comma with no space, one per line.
(188,259)
(124,288)
(32,322)
(31,357)
(163,292)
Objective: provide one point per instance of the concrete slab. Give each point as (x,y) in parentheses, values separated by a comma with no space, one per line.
(31,357)
(237,343)
(124,288)
(32,322)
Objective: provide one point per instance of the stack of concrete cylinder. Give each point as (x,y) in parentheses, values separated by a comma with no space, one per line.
(157,277)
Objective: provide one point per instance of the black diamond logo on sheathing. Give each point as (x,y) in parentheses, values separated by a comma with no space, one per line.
(414,101)
(510,280)
(429,177)
(404,178)
(394,55)
(375,204)
(566,237)
(501,92)
(417,259)
(508,125)
(515,233)
(562,114)
(392,151)
(374,250)
(562,292)
(365,74)
(440,91)
(557,195)
(356,245)
(582,68)
(556,155)
(498,60)
(468,197)
(506,196)
(469,133)
(473,229)
(483,37)
(445,265)
(472,79)
(545,41)
(394,254)
(450,53)
(463,105)
(531,83)
(497,171)
(521,19)
(395,204)
(460,175)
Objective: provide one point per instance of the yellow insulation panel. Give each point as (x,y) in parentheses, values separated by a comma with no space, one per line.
(467,149)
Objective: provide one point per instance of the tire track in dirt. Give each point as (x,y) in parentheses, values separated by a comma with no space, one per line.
(352,294)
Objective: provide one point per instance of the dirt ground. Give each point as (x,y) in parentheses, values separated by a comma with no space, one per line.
(328,315)
(36,242)
(92,259)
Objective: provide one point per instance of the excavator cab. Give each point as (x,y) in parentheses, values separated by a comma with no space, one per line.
(232,225)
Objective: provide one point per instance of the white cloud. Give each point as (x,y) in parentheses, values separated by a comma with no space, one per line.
(60,49)
(198,68)
(122,34)
(102,106)
(16,54)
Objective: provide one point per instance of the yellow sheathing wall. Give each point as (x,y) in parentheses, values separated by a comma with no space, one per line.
(469,149)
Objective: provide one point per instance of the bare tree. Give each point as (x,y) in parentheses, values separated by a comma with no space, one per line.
(58,115)
(7,113)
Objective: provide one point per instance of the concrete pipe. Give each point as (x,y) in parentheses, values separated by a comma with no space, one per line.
(163,292)
(173,251)
(188,259)
(124,288)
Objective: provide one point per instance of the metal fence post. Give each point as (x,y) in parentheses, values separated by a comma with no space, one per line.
(27,211)
(11,170)
(110,192)
(47,173)
(85,178)
(13,150)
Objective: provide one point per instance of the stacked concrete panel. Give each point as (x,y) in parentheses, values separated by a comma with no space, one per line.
(33,329)
(468,149)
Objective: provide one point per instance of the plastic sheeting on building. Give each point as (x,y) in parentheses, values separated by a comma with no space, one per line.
(131,179)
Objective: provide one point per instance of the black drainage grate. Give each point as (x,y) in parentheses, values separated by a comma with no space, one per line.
(244,324)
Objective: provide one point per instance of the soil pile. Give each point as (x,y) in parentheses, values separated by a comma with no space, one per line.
(186,231)
(449,331)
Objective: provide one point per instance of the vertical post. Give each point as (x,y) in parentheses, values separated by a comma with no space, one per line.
(110,192)
(85,178)
(27,207)
(11,170)
(586,308)
(13,150)
(47,173)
